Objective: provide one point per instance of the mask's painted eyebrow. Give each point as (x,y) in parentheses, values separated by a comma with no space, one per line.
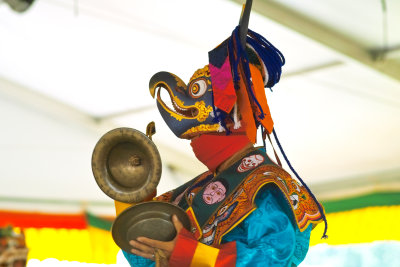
(180,90)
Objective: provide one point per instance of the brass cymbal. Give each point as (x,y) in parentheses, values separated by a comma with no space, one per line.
(126,165)
(148,219)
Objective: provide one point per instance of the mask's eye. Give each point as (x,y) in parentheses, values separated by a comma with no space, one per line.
(198,88)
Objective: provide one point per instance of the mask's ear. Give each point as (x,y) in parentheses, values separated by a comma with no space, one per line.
(167,80)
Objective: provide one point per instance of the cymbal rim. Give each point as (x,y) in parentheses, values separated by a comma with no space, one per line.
(104,177)
(126,221)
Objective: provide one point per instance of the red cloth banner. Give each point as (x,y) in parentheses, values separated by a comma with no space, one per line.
(41,220)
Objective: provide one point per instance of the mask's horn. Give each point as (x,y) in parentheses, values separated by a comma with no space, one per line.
(167,80)
(244,22)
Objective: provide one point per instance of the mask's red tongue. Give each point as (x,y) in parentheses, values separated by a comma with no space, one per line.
(212,150)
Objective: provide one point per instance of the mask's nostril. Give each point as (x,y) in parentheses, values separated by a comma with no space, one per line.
(194,112)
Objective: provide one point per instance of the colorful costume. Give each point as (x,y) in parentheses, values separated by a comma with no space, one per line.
(251,213)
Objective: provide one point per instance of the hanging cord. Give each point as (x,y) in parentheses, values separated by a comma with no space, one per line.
(324,236)
(238,55)
(271,57)
(264,136)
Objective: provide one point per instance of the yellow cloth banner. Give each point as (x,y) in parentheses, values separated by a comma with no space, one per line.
(94,245)
(91,245)
(360,226)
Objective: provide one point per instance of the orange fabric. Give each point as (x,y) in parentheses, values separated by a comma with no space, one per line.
(259,91)
(246,112)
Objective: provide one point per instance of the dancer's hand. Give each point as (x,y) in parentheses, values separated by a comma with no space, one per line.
(146,247)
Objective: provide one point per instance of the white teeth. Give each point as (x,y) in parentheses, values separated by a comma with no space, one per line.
(175,107)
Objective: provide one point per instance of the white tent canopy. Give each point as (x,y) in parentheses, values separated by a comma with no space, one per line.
(70,71)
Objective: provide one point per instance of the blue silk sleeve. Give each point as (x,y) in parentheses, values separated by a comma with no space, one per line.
(267,237)
(137,261)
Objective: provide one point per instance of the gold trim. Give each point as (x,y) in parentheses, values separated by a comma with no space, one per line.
(203,111)
(204,72)
(190,210)
(202,128)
